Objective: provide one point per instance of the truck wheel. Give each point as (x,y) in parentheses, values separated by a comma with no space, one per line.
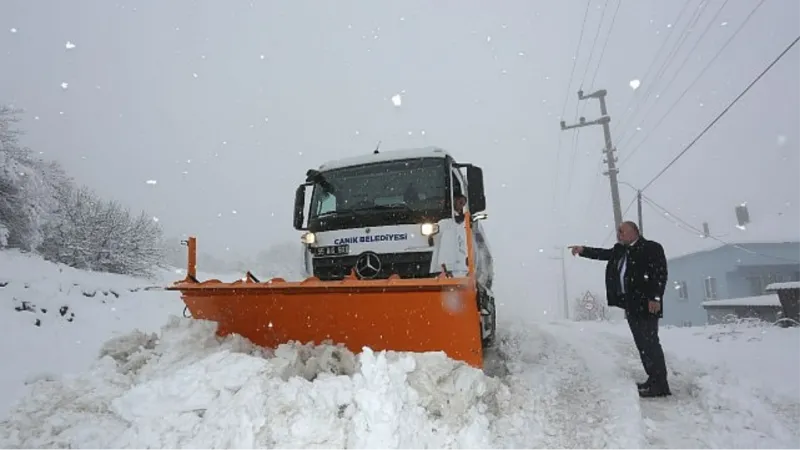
(486,307)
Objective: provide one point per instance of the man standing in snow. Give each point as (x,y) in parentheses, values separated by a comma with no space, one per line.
(636,276)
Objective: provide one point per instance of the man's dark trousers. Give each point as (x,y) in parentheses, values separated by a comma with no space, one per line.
(644,328)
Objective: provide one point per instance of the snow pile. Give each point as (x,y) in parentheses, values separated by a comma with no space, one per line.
(87,380)
(56,317)
(189,388)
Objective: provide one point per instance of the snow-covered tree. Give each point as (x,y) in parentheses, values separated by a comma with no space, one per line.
(101,235)
(26,187)
(42,209)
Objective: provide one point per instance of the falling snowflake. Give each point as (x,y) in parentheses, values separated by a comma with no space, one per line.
(69,45)
(152,182)
(155,219)
(194,75)
(634,84)
(397,100)
(13,30)
(64,85)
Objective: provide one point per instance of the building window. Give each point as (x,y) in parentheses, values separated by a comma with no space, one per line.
(680,286)
(756,284)
(775,278)
(711,288)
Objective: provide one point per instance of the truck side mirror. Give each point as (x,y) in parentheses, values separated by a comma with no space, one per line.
(477,197)
(299,206)
(479,216)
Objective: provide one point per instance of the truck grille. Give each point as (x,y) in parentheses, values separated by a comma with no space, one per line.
(405,265)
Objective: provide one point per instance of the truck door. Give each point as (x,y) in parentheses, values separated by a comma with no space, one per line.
(459,187)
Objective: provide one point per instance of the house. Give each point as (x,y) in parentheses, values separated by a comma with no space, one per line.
(789,295)
(763,307)
(729,271)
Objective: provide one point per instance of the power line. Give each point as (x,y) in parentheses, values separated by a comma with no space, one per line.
(696,79)
(575,59)
(583,80)
(605,44)
(566,96)
(594,43)
(626,110)
(650,88)
(663,210)
(630,133)
(724,111)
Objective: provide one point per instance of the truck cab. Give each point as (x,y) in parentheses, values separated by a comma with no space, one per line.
(395,212)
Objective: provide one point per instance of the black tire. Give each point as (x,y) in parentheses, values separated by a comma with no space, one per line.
(485,301)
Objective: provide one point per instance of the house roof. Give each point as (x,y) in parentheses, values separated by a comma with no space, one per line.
(761,300)
(680,242)
(387,155)
(784,285)
(742,244)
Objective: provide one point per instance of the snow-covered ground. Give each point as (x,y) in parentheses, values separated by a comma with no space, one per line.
(129,371)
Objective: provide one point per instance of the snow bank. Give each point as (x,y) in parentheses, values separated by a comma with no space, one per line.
(55,318)
(188,388)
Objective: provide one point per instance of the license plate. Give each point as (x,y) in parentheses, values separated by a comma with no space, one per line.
(331,250)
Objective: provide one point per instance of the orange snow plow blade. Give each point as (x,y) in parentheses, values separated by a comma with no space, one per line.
(411,315)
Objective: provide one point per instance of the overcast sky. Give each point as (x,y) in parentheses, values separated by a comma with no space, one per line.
(226,104)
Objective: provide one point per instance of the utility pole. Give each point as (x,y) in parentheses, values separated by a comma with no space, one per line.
(609,150)
(565,297)
(639,207)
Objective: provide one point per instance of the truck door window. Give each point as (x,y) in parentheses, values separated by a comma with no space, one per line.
(326,204)
(456,182)
(458,190)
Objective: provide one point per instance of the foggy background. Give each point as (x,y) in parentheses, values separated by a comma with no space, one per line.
(225,105)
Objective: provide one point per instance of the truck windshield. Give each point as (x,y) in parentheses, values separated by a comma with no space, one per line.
(414,185)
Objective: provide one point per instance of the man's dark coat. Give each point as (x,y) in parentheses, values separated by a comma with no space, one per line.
(645,276)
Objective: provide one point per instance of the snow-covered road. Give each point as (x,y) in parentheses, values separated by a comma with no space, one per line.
(579,384)
(550,384)
(567,385)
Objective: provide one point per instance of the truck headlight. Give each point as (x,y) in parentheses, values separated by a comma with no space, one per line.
(308,238)
(429,229)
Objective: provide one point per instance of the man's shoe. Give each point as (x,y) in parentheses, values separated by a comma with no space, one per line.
(654,390)
(645,384)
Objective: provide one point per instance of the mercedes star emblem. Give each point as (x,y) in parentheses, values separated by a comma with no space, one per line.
(368,265)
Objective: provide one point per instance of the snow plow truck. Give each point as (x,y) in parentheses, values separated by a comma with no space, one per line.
(395,257)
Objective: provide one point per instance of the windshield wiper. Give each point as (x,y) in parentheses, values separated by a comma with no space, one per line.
(341,212)
(402,206)
(360,211)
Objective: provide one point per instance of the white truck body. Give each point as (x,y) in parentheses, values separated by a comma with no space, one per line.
(366,217)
